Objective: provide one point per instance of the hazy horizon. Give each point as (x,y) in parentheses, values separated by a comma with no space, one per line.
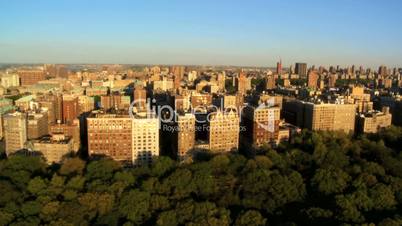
(252,34)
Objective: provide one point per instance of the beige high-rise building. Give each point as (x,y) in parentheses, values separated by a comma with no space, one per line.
(312,80)
(270,82)
(232,101)
(15,131)
(86,104)
(330,117)
(10,80)
(145,139)
(54,148)
(37,124)
(224,131)
(272,100)
(164,85)
(243,83)
(6,106)
(360,99)
(374,121)
(221,79)
(185,135)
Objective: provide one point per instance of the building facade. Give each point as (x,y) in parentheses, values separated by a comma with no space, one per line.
(15,131)
(145,139)
(54,148)
(185,135)
(30,77)
(224,131)
(110,135)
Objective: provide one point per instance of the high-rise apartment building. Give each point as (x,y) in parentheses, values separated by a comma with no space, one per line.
(262,124)
(301,69)
(270,82)
(221,80)
(185,135)
(232,101)
(241,83)
(382,71)
(320,116)
(145,139)
(140,99)
(54,104)
(86,104)
(224,131)
(312,80)
(10,80)
(198,100)
(70,108)
(178,72)
(164,85)
(31,77)
(37,124)
(330,117)
(15,131)
(6,106)
(68,130)
(332,80)
(118,101)
(130,140)
(182,102)
(110,135)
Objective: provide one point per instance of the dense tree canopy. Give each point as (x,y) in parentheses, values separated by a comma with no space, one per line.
(325,178)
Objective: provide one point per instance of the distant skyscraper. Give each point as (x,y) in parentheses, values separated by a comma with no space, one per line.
(221,81)
(279,67)
(332,80)
(270,82)
(301,69)
(61,71)
(382,71)
(178,72)
(312,80)
(241,83)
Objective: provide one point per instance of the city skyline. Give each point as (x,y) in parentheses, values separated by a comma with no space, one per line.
(202,33)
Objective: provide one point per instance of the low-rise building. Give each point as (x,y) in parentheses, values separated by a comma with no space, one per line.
(54,148)
(372,122)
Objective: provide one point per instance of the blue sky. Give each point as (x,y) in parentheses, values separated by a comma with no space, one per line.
(254,32)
